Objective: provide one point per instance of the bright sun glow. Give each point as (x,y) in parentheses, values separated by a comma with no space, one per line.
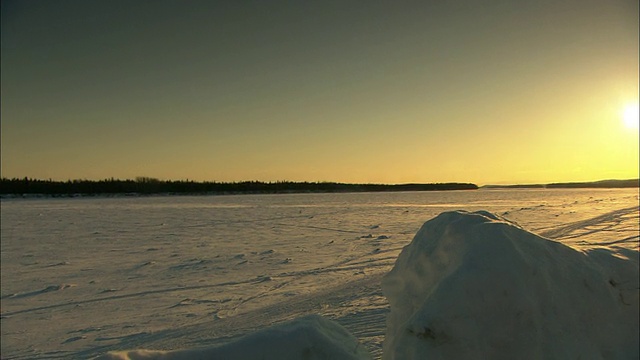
(630,116)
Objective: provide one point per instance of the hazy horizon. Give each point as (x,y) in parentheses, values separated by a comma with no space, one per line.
(501,92)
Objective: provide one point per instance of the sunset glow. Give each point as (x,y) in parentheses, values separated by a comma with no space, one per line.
(631,116)
(489,92)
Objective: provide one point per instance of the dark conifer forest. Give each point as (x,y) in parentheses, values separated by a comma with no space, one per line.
(150,186)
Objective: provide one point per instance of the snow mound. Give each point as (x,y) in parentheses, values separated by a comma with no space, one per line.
(311,337)
(474,285)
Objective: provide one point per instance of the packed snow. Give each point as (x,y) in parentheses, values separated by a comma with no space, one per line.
(311,337)
(87,276)
(474,285)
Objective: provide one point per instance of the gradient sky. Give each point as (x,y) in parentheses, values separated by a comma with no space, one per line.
(350,91)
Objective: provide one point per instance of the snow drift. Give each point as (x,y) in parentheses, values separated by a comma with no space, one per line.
(312,337)
(474,285)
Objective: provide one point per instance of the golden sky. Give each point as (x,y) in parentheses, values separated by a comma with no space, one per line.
(375,92)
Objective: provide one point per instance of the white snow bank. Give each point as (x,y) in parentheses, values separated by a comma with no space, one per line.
(474,285)
(310,337)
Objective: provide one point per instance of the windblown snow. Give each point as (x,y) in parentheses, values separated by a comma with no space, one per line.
(333,276)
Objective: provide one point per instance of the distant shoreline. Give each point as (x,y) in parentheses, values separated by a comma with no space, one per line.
(601,184)
(149,186)
(35,188)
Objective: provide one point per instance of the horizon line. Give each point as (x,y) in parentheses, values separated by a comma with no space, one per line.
(152,179)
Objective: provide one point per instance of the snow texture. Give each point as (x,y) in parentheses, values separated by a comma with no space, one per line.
(83,277)
(310,337)
(474,285)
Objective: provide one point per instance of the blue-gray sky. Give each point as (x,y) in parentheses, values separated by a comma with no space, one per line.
(353,91)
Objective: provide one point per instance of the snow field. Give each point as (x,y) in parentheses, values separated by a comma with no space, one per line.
(81,277)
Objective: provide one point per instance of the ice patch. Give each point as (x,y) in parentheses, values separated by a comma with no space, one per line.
(474,285)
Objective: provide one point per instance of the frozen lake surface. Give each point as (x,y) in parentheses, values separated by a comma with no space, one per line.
(88,275)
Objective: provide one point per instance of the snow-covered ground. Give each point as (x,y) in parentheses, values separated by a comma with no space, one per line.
(84,276)
(473,285)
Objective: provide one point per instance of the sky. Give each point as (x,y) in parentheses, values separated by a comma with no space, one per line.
(489,92)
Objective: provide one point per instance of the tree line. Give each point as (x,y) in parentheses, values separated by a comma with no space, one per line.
(150,186)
